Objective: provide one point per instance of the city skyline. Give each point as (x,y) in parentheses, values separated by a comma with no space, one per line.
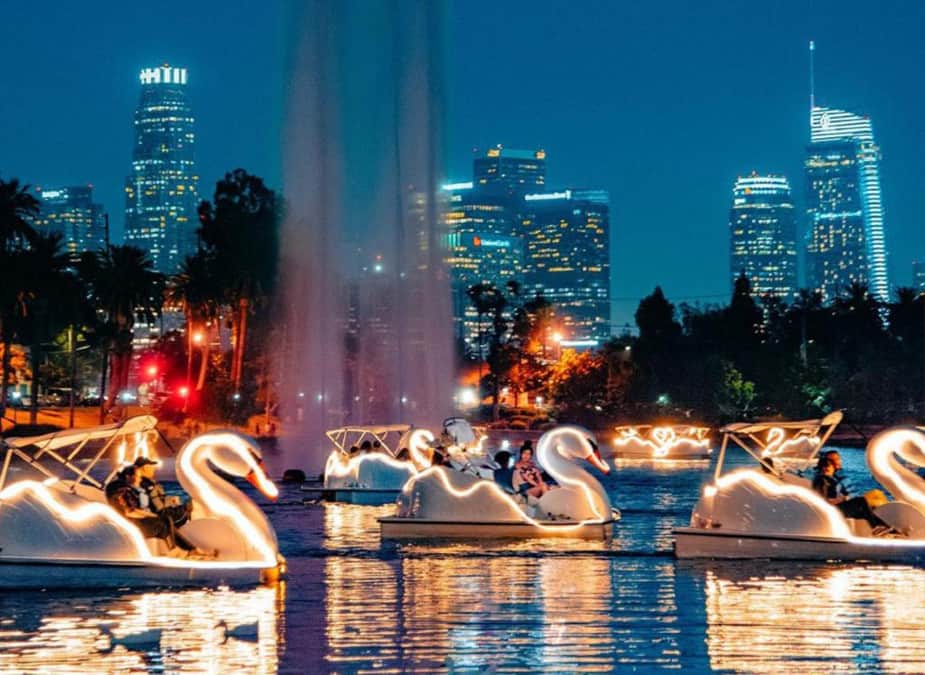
(632,134)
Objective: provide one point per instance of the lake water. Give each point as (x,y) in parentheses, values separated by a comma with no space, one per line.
(352,604)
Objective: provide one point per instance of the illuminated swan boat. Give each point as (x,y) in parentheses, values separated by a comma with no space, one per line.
(397,453)
(57,530)
(772,511)
(442,503)
(374,477)
(662,442)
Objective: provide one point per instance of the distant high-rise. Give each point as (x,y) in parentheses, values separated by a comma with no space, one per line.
(918,275)
(483,246)
(567,259)
(513,171)
(71,212)
(762,235)
(162,188)
(845,233)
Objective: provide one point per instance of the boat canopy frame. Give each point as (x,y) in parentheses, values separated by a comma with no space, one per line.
(695,431)
(745,435)
(387,435)
(31,449)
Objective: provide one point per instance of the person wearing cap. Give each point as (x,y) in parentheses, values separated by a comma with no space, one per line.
(152,496)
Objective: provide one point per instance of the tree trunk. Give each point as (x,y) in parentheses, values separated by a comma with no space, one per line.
(34,399)
(72,334)
(5,375)
(204,363)
(104,361)
(242,341)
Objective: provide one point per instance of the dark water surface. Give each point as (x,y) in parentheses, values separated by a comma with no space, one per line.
(352,604)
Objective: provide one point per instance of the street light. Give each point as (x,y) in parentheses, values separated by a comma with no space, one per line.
(197,338)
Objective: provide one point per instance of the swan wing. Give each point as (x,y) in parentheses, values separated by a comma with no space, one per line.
(40,522)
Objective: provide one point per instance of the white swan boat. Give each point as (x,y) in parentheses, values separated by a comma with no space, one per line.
(396,452)
(661,443)
(772,511)
(57,530)
(374,477)
(440,502)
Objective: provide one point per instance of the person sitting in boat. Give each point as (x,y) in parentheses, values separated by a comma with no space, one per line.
(827,485)
(504,476)
(404,455)
(439,457)
(366,447)
(123,494)
(526,471)
(153,497)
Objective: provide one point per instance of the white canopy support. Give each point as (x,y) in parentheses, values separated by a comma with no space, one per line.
(31,449)
(387,435)
(816,433)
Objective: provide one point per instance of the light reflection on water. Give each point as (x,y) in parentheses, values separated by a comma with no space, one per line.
(353,603)
(176,631)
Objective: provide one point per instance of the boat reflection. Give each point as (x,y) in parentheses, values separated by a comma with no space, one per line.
(432,612)
(177,632)
(814,618)
(349,526)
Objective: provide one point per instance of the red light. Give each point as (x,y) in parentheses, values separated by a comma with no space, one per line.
(183,391)
(152,371)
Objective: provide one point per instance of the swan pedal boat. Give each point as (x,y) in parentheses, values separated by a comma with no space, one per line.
(661,443)
(442,503)
(58,531)
(370,479)
(772,512)
(376,478)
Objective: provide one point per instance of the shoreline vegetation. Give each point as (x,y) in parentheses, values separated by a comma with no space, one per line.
(68,324)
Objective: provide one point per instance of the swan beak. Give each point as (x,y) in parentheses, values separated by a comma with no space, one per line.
(260,481)
(601,465)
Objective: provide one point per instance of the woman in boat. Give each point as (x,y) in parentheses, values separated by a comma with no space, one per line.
(830,487)
(526,471)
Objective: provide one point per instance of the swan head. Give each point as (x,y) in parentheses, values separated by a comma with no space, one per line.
(238,455)
(576,443)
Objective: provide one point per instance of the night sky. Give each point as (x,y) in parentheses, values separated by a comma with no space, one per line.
(663,104)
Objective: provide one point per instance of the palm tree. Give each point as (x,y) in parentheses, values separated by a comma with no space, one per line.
(240,232)
(196,289)
(123,287)
(47,283)
(17,208)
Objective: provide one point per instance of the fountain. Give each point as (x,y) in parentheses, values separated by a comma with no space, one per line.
(368,326)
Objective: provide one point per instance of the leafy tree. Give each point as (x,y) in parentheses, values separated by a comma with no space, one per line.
(239,231)
(122,287)
(17,208)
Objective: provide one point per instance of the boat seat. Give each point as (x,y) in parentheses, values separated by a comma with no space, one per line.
(157,546)
(859,527)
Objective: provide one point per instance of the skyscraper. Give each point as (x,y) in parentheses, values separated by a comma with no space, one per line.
(567,259)
(762,235)
(845,234)
(513,171)
(483,246)
(71,212)
(162,189)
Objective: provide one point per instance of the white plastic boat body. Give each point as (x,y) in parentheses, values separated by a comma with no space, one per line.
(694,542)
(36,574)
(393,527)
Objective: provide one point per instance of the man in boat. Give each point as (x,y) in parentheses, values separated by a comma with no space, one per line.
(123,494)
(834,492)
(155,499)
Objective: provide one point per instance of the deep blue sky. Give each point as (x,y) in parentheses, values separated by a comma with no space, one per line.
(664,104)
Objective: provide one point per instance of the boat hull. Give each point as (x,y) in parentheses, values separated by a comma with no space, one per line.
(33,574)
(393,527)
(693,542)
(360,496)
